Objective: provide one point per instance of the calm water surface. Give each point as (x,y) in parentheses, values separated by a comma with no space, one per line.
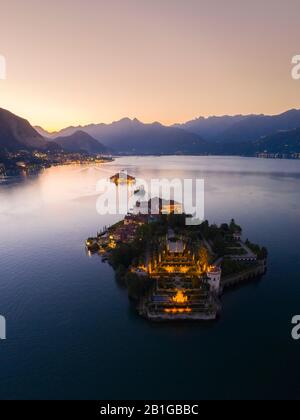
(71,332)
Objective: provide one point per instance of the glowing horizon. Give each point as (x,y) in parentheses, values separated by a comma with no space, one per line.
(55,130)
(171,61)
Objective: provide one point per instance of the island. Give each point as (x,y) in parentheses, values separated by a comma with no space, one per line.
(174,271)
(122,178)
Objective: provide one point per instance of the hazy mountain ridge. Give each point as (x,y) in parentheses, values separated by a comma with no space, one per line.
(255,127)
(239,128)
(211,127)
(44,133)
(244,135)
(134,137)
(80,141)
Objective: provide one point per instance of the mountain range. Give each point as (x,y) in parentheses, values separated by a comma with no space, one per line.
(134,137)
(242,128)
(211,128)
(229,135)
(236,135)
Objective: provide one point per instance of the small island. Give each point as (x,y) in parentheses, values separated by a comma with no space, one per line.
(122,178)
(174,271)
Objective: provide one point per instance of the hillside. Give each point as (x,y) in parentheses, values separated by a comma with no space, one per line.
(240,129)
(211,128)
(287,142)
(255,127)
(81,142)
(16,134)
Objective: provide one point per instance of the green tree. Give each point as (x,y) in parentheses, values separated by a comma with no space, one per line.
(137,286)
(219,245)
(234,227)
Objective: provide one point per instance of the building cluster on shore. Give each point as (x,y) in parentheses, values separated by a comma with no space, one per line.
(125,231)
(31,162)
(267,155)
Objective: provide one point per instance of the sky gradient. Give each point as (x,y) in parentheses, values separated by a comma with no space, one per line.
(73,62)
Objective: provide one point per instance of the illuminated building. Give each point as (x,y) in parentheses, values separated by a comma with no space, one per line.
(158,205)
(183,285)
(214,278)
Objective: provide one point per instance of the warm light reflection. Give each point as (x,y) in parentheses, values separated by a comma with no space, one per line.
(180,298)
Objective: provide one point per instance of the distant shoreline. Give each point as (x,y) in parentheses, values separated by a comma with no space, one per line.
(207,155)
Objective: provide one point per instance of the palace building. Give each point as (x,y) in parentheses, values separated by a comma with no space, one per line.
(183,286)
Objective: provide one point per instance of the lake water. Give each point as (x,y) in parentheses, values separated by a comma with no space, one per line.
(71,331)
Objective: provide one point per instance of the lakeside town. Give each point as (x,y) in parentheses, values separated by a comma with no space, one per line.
(266,155)
(25,162)
(175,271)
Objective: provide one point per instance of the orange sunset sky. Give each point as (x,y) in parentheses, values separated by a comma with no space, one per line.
(73,62)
